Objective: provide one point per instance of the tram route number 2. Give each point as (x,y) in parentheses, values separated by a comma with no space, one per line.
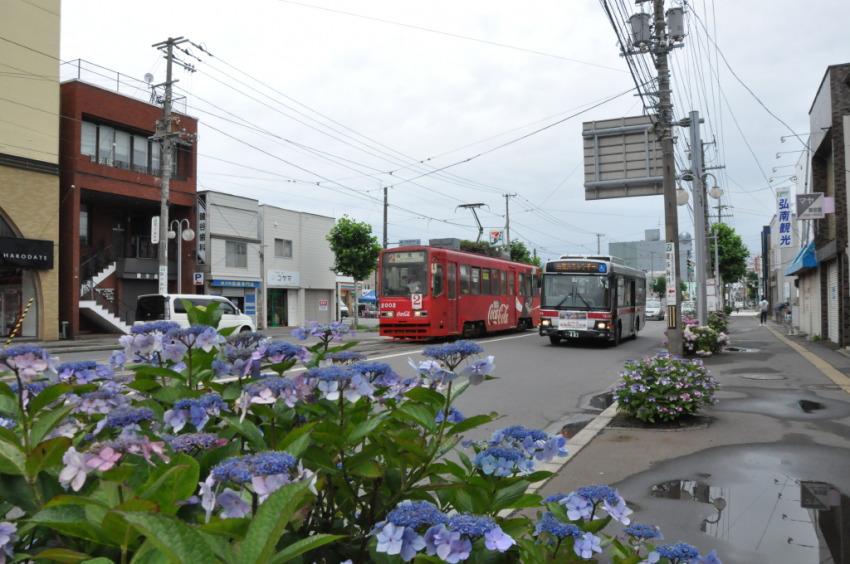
(416,301)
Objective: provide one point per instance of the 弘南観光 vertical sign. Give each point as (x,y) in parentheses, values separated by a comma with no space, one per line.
(783,213)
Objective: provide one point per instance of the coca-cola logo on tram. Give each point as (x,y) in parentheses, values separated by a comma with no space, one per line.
(497,315)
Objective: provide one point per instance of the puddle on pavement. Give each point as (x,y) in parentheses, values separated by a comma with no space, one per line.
(763,377)
(570,430)
(809,406)
(754,504)
(602,401)
(741,350)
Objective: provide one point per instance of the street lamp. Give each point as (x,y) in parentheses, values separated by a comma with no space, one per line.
(186,235)
(681,196)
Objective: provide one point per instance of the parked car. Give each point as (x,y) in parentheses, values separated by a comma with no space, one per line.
(654,310)
(367,310)
(156,307)
(343,310)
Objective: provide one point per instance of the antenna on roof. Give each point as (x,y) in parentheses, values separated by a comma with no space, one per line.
(148,77)
(473,207)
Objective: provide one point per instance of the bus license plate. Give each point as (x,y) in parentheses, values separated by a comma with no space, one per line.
(572,334)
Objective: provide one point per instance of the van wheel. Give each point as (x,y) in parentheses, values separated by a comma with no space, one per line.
(245,329)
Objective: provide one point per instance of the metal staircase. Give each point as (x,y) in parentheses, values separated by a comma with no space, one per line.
(102,306)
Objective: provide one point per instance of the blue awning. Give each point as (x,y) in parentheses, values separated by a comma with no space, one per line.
(368,296)
(805,259)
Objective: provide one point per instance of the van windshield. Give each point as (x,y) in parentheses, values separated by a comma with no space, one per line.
(151,308)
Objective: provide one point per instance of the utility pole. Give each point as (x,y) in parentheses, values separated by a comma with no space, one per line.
(701,272)
(385,218)
(167,139)
(668,163)
(508,220)
(599,237)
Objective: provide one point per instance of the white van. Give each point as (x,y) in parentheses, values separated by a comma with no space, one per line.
(156,307)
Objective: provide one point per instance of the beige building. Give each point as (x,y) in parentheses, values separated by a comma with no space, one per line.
(29,168)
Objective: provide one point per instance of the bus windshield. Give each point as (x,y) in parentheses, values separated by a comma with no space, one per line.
(576,292)
(404,273)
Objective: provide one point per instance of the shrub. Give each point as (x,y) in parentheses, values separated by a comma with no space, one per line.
(700,341)
(718,322)
(214,449)
(664,387)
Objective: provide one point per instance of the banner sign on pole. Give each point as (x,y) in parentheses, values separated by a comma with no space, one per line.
(155,230)
(810,206)
(163,280)
(783,211)
(672,295)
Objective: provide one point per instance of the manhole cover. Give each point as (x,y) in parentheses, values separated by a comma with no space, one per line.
(763,377)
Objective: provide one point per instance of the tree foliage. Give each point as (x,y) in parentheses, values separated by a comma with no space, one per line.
(354,247)
(732,252)
(660,285)
(520,253)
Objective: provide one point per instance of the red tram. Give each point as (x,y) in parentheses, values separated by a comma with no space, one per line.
(430,292)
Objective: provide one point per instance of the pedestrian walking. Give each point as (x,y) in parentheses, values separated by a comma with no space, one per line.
(764,306)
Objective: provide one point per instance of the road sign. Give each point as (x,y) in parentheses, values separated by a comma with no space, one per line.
(416,301)
(497,237)
(810,206)
(672,294)
(409,242)
(814,495)
(199,279)
(155,230)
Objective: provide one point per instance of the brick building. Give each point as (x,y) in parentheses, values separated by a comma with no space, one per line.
(824,279)
(110,191)
(29,170)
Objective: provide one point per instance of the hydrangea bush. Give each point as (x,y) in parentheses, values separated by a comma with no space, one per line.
(702,340)
(198,446)
(718,321)
(664,387)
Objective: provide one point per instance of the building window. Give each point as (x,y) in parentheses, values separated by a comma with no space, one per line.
(105,144)
(282,248)
(88,140)
(122,149)
(155,156)
(85,226)
(237,254)
(110,147)
(140,153)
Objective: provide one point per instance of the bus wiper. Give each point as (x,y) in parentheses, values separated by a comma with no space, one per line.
(582,299)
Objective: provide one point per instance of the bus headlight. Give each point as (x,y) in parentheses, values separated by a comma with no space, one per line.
(420,313)
(603,325)
(546,322)
(387,314)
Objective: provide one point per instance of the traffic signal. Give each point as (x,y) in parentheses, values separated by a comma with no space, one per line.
(690,265)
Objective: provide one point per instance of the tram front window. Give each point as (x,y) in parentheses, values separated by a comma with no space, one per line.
(404,273)
(576,292)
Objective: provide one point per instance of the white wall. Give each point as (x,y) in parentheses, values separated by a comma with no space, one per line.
(236,217)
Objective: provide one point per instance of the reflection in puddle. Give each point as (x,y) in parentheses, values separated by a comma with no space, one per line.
(809,406)
(740,350)
(800,520)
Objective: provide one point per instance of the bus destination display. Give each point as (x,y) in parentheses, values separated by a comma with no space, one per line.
(576,266)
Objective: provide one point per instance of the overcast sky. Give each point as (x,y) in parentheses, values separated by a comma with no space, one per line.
(397,96)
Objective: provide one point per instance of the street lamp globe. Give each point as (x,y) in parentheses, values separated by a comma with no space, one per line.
(681,196)
(716,192)
(172,234)
(188,235)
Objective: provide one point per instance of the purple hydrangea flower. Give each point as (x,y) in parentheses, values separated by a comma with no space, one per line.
(586,545)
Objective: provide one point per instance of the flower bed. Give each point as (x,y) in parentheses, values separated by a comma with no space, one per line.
(700,340)
(198,446)
(664,388)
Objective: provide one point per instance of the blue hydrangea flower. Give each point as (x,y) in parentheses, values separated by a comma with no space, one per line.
(415,514)
(345,357)
(333,373)
(597,493)
(556,528)
(192,442)
(453,353)
(470,525)
(520,433)
(643,532)
(455,416)
(554,498)
(587,544)
(154,327)
(379,373)
(678,553)
(241,469)
(34,389)
(126,415)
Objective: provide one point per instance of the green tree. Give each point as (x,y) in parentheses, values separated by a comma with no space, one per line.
(732,252)
(752,280)
(520,253)
(355,251)
(660,285)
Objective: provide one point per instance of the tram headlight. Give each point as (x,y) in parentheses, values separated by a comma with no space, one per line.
(387,314)
(420,313)
(603,325)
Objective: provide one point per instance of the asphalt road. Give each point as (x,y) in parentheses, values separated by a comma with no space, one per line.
(539,384)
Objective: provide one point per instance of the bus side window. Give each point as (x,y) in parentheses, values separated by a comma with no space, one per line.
(496,284)
(437,281)
(621,292)
(510,283)
(476,281)
(485,281)
(464,279)
(641,292)
(521,284)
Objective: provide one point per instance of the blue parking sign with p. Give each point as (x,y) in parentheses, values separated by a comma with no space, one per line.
(199,278)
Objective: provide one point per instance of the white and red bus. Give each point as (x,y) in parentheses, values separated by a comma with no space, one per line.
(432,292)
(595,297)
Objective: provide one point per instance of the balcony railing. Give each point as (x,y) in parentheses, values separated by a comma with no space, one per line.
(134,167)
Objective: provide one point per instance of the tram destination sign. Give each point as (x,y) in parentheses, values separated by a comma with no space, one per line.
(576,266)
(26,253)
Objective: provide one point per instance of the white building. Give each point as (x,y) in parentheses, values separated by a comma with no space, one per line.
(229,248)
(298,283)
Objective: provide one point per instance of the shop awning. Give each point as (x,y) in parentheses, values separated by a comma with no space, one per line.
(368,296)
(805,259)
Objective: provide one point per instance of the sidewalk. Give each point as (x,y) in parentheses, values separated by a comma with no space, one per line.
(735,485)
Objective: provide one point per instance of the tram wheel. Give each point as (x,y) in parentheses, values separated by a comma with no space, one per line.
(470,330)
(521,326)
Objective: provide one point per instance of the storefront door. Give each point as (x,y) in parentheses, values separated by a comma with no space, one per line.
(17,286)
(277,308)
